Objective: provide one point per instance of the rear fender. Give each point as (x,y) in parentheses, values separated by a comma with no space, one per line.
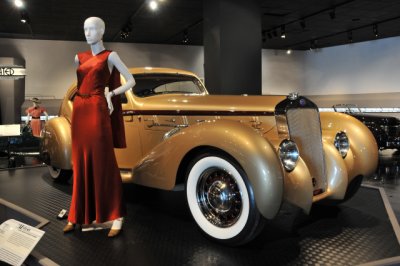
(56,143)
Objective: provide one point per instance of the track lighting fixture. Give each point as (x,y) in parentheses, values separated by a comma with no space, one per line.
(283,33)
(303,24)
(350,36)
(185,39)
(332,14)
(375,30)
(25,17)
(269,35)
(275,33)
(126,31)
(312,45)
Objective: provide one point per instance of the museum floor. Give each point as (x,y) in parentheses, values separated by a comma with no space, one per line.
(159,229)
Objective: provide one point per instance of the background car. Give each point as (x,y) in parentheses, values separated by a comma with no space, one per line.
(386,129)
(237,157)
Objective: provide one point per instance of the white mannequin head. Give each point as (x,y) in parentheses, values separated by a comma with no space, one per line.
(94,28)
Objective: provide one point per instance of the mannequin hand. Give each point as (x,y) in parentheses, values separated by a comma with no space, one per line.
(109,102)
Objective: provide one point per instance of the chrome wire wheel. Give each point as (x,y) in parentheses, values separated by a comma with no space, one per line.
(219,197)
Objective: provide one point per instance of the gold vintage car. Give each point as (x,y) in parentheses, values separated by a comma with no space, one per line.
(237,157)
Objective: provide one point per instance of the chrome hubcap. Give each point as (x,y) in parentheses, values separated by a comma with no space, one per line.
(219,197)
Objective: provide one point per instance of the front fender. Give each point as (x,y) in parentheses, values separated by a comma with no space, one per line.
(256,156)
(56,143)
(363,158)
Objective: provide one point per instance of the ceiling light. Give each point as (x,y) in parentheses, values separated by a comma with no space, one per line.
(153,5)
(375,30)
(289,51)
(19,3)
(283,33)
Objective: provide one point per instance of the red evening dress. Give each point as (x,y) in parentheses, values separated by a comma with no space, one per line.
(36,123)
(97,185)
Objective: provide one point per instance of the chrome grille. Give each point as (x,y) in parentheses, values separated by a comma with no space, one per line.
(305,129)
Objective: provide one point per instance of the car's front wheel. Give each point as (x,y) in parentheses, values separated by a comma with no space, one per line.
(221,199)
(60,175)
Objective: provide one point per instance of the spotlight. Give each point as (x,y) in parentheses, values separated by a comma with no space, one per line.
(350,36)
(289,51)
(185,39)
(303,24)
(25,18)
(283,34)
(332,14)
(153,5)
(375,30)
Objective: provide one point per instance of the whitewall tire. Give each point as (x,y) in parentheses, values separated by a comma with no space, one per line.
(221,200)
(59,174)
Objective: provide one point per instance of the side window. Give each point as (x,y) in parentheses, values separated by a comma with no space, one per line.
(177,86)
(123,97)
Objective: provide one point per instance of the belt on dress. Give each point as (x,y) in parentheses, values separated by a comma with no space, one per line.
(35,117)
(87,95)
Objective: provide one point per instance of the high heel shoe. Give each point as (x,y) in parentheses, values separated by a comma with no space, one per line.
(116,227)
(69,227)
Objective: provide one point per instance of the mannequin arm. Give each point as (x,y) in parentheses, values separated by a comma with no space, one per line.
(115,61)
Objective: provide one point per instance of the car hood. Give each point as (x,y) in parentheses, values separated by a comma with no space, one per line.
(222,103)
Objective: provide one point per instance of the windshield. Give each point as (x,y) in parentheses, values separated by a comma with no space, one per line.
(153,84)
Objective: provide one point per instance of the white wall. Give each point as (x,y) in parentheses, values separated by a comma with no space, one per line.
(282,73)
(359,68)
(51,70)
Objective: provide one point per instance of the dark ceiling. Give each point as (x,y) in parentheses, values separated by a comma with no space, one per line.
(308,23)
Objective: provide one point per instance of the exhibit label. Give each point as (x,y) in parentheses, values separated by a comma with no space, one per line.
(12,72)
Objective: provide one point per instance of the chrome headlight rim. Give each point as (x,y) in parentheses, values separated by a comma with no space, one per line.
(289,154)
(342,143)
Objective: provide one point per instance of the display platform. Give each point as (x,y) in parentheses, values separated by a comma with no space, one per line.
(159,230)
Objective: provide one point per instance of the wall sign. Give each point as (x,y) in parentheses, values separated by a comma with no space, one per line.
(12,72)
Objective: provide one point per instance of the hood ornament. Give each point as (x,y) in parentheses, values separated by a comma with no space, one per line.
(293,96)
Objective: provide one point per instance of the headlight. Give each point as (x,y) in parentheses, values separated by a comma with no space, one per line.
(289,154)
(342,143)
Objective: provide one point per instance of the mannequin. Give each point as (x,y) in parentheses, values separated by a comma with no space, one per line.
(96,129)
(33,115)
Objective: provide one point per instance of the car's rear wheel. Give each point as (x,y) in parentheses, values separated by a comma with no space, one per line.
(60,175)
(221,199)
